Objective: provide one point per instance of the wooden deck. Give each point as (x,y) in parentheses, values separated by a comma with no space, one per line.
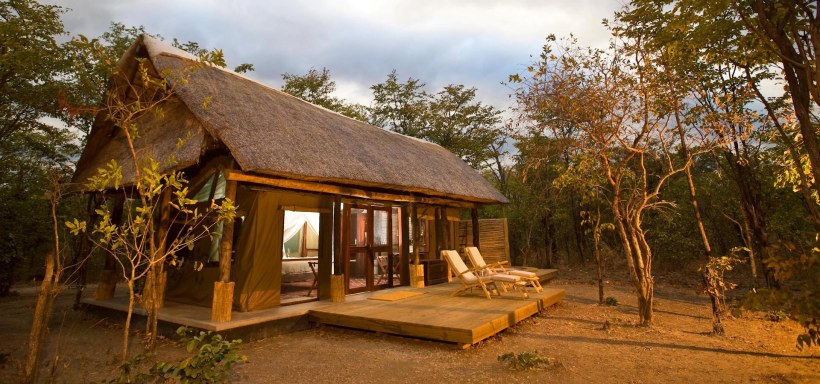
(436,315)
(464,319)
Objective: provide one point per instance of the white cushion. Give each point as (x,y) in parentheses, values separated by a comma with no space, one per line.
(506,278)
(521,273)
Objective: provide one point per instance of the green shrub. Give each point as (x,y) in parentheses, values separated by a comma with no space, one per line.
(211,359)
(611,301)
(523,361)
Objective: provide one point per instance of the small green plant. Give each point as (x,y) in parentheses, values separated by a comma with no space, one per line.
(778,316)
(523,361)
(212,359)
(612,323)
(611,301)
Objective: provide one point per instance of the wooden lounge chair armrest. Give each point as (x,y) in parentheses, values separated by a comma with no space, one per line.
(498,263)
(466,271)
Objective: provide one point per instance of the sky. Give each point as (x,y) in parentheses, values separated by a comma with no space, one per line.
(477,43)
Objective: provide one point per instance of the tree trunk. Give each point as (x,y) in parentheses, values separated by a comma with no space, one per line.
(645,301)
(126,331)
(39,325)
(717,308)
(578,229)
(549,238)
(155,282)
(747,239)
(638,258)
(717,326)
(753,211)
(596,237)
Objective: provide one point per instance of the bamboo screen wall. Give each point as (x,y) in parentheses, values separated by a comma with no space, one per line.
(493,238)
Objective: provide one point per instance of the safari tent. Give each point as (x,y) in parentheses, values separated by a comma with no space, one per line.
(312,187)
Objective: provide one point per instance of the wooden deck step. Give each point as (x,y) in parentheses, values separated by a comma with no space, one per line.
(464,319)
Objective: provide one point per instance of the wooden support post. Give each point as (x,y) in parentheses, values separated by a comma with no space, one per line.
(439,232)
(223,301)
(337,280)
(109,275)
(326,238)
(223,289)
(405,246)
(337,288)
(416,270)
(337,235)
(84,249)
(474,217)
(157,278)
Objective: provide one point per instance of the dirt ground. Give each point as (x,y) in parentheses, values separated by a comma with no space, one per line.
(83,348)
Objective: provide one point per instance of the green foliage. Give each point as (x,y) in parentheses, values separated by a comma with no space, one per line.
(800,263)
(714,272)
(317,88)
(399,107)
(611,301)
(451,118)
(523,361)
(211,360)
(32,150)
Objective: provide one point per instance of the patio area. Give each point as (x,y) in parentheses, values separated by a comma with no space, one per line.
(428,313)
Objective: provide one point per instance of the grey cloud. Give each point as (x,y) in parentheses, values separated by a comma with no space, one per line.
(477,43)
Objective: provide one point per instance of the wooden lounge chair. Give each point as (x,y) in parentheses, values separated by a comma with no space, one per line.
(470,278)
(498,268)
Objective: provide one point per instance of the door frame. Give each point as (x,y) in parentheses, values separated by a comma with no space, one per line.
(369,249)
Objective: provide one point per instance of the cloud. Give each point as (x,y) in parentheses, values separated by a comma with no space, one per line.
(477,43)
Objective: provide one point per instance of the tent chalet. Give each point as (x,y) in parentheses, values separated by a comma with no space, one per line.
(321,197)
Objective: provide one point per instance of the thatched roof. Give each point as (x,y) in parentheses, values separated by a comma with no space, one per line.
(272,133)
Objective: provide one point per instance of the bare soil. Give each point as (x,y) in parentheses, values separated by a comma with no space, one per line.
(585,343)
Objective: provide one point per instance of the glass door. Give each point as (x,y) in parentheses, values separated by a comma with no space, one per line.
(370,262)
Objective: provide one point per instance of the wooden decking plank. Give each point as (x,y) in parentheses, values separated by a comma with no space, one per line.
(465,319)
(438,316)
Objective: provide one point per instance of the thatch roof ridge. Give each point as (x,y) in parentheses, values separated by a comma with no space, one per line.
(157,47)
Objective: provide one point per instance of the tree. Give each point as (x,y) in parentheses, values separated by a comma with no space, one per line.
(790,31)
(463,125)
(620,122)
(316,88)
(141,243)
(32,68)
(400,107)
(729,48)
(195,49)
(451,118)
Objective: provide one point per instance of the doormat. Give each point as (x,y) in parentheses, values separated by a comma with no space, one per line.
(393,296)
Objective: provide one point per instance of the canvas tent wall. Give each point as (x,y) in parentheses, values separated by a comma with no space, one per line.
(257,260)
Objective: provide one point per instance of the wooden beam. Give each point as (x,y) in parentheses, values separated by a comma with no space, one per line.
(326,245)
(474,217)
(405,245)
(303,209)
(337,235)
(345,191)
(439,231)
(414,217)
(226,242)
